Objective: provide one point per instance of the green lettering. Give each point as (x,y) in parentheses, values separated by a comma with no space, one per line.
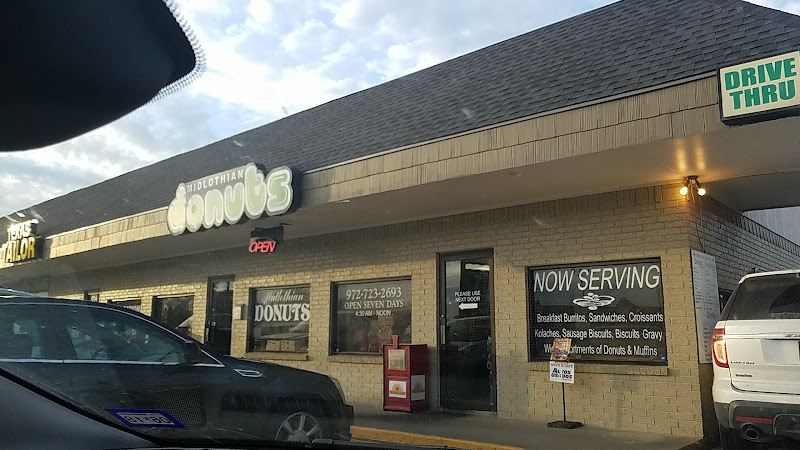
(786,89)
(279,183)
(774,70)
(789,66)
(769,93)
(737,99)
(732,80)
(761,77)
(751,97)
(748,76)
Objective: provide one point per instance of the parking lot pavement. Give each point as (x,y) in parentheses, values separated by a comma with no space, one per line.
(484,431)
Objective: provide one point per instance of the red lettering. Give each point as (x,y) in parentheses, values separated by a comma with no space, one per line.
(262,246)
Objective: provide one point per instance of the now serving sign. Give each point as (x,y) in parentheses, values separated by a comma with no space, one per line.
(758,87)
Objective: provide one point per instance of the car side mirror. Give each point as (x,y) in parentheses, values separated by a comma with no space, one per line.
(193,353)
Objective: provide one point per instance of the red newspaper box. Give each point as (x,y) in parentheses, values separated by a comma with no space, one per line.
(405,377)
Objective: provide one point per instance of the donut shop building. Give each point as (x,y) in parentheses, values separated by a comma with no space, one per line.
(527,191)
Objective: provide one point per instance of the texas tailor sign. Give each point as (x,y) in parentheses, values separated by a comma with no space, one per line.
(611,311)
(760,90)
(22,243)
(227,196)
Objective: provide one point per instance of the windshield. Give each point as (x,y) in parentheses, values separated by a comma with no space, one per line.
(433,218)
(768,297)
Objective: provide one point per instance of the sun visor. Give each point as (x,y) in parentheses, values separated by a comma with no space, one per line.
(72,66)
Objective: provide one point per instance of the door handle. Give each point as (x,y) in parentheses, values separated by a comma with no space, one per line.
(442,334)
(489,365)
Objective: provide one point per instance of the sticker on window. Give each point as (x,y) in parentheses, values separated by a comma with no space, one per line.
(146,418)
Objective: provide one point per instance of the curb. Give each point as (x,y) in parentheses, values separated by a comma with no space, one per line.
(403,437)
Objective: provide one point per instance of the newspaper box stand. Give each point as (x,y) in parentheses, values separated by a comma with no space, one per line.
(405,377)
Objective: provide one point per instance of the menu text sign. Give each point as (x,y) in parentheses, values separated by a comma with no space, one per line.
(612,311)
(706,301)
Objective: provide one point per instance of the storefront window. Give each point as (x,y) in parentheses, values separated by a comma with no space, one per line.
(279,319)
(134,304)
(175,311)
(612,311)
(367,314)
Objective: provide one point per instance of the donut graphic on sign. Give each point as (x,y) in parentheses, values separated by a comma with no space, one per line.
(593,301)
(397,389)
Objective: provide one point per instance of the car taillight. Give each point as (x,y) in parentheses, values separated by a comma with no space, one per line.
(718,347)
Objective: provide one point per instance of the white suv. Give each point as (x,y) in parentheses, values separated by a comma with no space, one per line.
(756,347)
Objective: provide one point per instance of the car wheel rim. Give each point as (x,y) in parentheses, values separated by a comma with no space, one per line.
(299,427)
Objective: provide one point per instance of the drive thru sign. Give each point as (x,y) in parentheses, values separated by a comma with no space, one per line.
(562,372)
(760,90)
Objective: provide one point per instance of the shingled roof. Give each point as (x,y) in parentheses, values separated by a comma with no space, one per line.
(620,48)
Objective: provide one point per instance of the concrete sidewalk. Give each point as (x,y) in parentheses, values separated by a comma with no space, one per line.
(484,431)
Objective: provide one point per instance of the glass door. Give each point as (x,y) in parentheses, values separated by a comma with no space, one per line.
(219,315)
(466,345)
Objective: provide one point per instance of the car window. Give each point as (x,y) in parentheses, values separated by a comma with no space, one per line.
(768,297)
(104,335)
(20,332)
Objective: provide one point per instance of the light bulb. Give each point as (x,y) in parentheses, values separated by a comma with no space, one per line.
(685,190)
(701,191)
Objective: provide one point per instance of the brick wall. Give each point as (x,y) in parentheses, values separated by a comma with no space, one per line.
(739,244)
(640,223)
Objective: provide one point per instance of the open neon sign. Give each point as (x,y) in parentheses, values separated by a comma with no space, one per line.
(263,246)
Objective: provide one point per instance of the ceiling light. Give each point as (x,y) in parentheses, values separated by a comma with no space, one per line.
(689,182)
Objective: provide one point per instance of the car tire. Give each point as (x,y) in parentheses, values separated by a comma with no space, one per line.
(731,440)
(300,426)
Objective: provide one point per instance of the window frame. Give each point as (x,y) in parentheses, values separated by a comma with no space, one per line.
(333,323)
(251,304)
(531,311)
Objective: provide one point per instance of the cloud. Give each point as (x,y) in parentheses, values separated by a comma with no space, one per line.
(791,6)
(260,14)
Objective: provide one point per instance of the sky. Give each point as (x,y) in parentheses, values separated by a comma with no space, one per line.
(270,58)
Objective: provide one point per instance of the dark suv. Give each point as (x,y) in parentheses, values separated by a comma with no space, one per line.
(134,371)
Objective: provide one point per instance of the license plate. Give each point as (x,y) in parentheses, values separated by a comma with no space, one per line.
(151,418)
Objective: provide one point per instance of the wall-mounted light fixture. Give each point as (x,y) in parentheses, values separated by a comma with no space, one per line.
(690,181)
